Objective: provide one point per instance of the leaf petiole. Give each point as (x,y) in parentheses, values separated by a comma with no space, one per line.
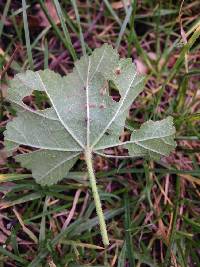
(97,201)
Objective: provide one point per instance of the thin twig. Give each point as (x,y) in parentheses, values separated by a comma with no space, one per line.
(7,66)
(71,213)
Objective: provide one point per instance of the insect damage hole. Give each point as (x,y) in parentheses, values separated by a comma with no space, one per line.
(114,92)
(37,100)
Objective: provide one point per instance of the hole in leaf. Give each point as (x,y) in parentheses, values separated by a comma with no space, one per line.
(37,100)
(26,149)
(114,92)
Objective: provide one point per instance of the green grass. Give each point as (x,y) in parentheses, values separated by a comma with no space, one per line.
(151,208)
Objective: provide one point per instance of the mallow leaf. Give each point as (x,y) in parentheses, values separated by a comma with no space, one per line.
(154,139)
(82,117)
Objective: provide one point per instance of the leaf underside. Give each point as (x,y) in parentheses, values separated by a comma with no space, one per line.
(82,115)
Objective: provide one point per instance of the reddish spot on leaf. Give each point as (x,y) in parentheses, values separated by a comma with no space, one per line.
(102,106)
(118,71)
(92,105)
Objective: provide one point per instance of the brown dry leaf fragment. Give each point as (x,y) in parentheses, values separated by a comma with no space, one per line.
(190,178)
(52,12)
(4,233)
(51,263)
(3,238)
(141,67)
(161,63)
(120,4)
(171,61)
(152,56)
(3,157)
(25,229)
(4,88)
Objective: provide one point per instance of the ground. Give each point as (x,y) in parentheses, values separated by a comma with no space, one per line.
(151,207)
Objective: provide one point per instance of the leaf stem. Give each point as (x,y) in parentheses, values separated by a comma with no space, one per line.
(97,201)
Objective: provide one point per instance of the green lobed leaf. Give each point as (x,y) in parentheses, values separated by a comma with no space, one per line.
(82,115)
(154,139)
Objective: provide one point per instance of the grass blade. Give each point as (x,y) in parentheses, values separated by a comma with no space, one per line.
(12,256)
(113,13)
(43,221)
(177,65)
(65,30)
(5,12)
(27,36)
(129,244)
(123,27)
(133,39)
(54,26)
(46,55)
(122,256)
(79,26)
(76,228)
(173,230)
